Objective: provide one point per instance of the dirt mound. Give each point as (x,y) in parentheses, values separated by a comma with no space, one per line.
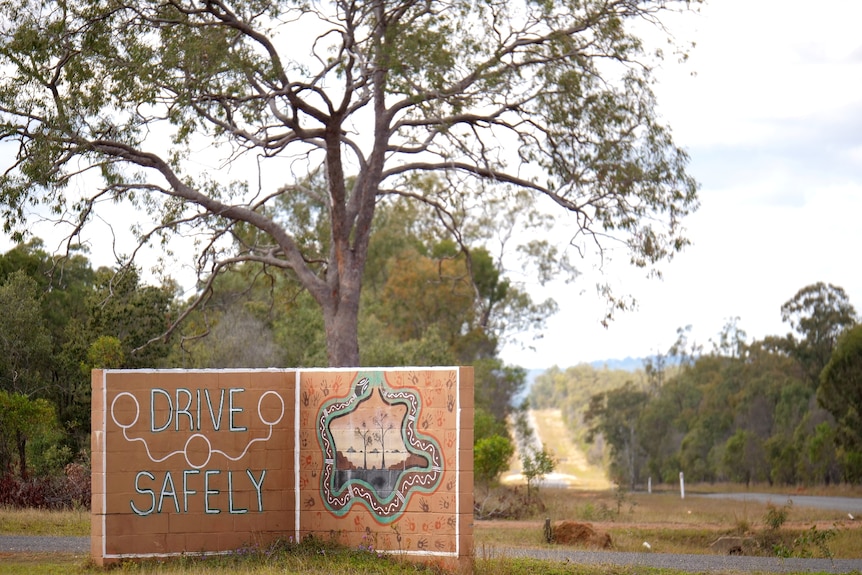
(573,533)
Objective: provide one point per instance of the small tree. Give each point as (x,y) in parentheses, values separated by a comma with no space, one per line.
(384,426)
(367,436)
(104,353)
(535,465)
(491,457)
(21,419)
(536,462)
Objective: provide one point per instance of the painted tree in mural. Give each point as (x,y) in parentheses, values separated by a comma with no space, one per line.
(366,435)
(384,425)
(203,114)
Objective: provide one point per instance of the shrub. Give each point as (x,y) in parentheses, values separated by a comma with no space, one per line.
(777,516)
(491,457)
(72,490)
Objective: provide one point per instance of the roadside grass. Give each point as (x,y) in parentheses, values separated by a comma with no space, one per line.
(667,508)
(307,558)
(72,565)
(526,566)
(42,563)
(43,522)
(841,490)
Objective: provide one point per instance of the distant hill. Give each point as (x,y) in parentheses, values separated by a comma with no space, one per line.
(630,364)
(532,374)
(627,364)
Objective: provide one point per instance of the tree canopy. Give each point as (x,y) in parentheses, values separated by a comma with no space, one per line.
(840,393)
(819,313)
(24,339)
(211,117)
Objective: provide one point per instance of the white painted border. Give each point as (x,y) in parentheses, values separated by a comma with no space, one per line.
(458,462)
(296,458)
(297,396)
(104,425)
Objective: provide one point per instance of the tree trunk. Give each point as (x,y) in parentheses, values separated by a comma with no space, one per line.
(21,441)
(341,322)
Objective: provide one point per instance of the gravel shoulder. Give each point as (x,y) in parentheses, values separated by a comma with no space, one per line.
(43,544)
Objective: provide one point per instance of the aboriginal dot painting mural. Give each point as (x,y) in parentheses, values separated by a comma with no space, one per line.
(383,459)
(370,412)
(211,461)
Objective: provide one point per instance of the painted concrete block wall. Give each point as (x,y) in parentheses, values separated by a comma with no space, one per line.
(209,461)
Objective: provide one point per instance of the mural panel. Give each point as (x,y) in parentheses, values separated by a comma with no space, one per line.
(381,449)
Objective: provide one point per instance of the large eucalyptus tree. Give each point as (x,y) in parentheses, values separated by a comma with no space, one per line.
(125,100)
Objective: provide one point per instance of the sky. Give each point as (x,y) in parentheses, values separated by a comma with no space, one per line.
(769,108)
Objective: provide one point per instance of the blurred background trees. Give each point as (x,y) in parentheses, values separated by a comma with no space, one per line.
(783,410)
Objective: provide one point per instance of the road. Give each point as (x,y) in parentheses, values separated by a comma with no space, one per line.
(847,504)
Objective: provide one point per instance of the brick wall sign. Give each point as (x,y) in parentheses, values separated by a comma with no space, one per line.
(205,462)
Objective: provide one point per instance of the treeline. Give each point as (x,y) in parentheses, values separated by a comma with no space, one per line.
(426,301)
(782,410)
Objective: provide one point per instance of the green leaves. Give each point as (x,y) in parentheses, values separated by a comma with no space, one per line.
(491,457)
(22,419)
(25,343)
(819,314)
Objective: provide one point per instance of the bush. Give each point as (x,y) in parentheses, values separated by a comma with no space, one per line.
(72,490)
(776,516)
(491,457)
(507,503)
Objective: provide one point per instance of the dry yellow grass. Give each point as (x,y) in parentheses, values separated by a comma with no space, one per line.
(670,524)
(42,522)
